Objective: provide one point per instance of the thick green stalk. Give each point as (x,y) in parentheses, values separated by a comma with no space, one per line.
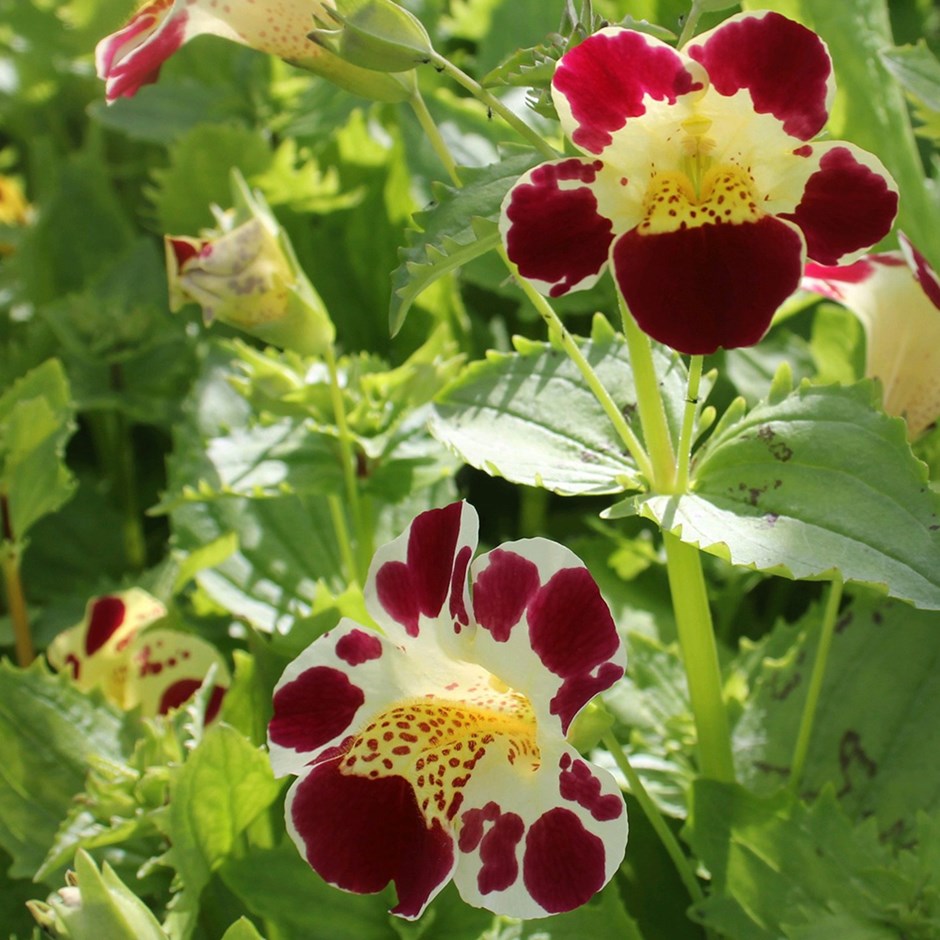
(662,474)
(433,134)
(810,706)
(655,817)
(689,24)
(494,104)
(557,328)
(700,656)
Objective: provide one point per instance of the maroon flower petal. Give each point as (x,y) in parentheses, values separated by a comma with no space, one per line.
(412,576)
(564,864)
(711,286)
(925,274)
(612,77)
(502,591)
(573,634)
(104,620)
(360,833)
(848,204)
(552,228)
(784,66)
(313,709)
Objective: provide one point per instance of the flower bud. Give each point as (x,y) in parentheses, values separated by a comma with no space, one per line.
(245,274)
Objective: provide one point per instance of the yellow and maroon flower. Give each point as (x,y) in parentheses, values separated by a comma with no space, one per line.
(438,750)
(133,56)
(112,649)
(896,295)
(699,184)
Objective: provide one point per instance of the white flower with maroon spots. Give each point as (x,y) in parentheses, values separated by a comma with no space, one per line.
(134,55)
(896,295)
(438,750)
(698,184)
(112,650)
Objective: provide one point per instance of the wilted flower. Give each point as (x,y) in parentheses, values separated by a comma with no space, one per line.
(133,56)
(245,274)
(438,750)
(896,295)
(111,649)
(698,185)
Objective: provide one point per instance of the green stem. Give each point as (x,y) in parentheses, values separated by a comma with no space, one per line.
(494,104)
(16,599)
(363,555)
(652,813)
(684,457)
(338,515)
(700,655)
(811,705)
(558,329)
(650,405)
(433,134)
(688,27)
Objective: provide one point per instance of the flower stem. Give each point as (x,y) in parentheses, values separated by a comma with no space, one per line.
(557,328)
(811,704)
(655,817)
(700,655)
(494,104)
(689,24)
(684,458)
(433,134)
(16,598)
(662,474)
(358,563)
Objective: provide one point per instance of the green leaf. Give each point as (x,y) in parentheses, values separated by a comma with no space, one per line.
(223,786)
(875,758)
(278,885)
(811,484)
(782,869)
(529,416)
(242,929)
(48,732)
(917,70)
(603,916)
(36,421)
(199,172)
(460,226)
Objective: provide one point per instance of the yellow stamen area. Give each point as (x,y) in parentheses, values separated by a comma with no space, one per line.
(435,743)
(671,204)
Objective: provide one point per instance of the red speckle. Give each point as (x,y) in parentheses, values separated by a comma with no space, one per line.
(361,833)
(184,249)
(563,865)
(497,845)
(502,591)
(783,65)
(72,662)
(608,78)
(579,785)
(105,618)
(314,708)
(557,235)
(358,647)
(804,151)
(845,206)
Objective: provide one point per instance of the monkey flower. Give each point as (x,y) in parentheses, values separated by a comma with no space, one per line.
(896,295)
(437,751)
(699,180)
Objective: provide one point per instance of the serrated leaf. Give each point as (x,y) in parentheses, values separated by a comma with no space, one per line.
(875,758)
(818,483)
(48,732)
(37,417)
(530,417)
(453,231)
(779,867)
(917,70)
